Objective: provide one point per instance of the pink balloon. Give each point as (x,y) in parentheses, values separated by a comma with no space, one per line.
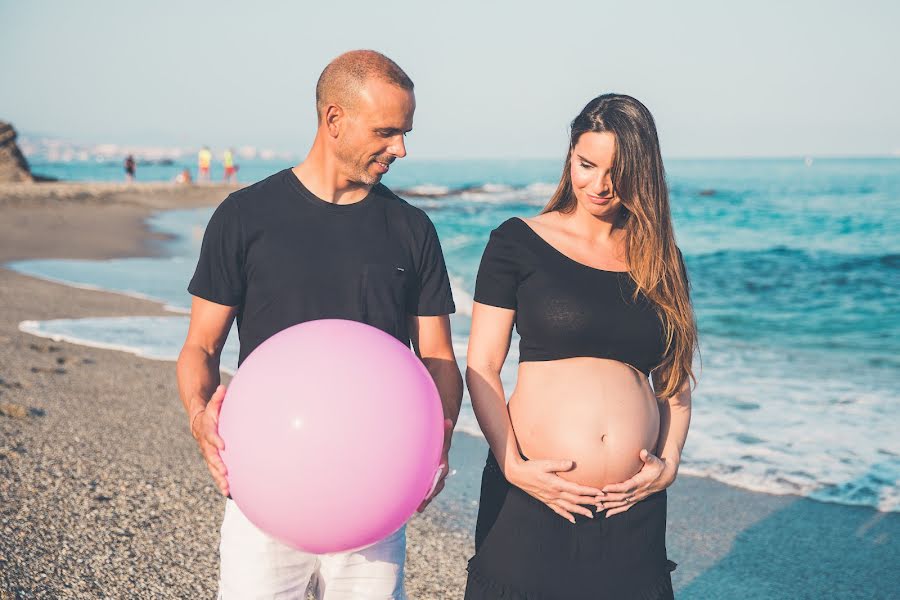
(333,433)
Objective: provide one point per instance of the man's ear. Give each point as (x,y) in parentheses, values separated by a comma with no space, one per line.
(334,115)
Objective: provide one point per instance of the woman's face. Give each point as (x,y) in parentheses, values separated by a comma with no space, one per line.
(592,159)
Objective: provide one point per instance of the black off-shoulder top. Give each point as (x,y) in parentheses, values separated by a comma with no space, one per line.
(566,309)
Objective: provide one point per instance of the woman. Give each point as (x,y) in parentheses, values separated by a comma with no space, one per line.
(573,500)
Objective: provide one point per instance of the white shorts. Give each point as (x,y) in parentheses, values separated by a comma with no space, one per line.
(255,566)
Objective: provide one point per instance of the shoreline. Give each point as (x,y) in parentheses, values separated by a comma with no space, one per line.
(70,225)
(85,510)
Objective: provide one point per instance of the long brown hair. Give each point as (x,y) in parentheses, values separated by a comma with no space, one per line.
(654,261)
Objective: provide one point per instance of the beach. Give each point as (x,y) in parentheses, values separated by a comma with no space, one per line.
(104,494)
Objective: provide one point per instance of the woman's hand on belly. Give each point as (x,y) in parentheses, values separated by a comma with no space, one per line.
(539,479)
(655,475)
(596,412)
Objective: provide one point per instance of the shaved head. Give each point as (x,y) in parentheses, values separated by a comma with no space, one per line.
(344,77)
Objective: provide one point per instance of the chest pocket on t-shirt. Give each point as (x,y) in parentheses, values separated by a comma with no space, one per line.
(384,297)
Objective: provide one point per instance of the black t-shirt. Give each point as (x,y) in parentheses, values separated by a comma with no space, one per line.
(284,256)
(564,308)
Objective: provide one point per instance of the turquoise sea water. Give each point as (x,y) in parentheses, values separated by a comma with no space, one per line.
(113,170)
(795,281)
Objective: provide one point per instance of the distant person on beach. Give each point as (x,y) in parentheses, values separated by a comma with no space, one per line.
(129,168)
(573,494)
(204,159)
(230,167)
(184,176)
(324,239)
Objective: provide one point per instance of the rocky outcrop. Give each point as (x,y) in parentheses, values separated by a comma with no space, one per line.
(13,166)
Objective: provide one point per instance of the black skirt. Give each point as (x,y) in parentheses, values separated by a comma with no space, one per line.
(525,551)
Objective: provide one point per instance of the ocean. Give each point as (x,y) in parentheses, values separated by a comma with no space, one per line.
(794,268)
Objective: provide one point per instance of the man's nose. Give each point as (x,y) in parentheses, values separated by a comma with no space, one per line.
(398,147)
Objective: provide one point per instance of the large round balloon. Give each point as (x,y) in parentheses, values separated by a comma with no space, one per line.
(333,433)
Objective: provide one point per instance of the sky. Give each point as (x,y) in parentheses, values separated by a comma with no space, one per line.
(493,79)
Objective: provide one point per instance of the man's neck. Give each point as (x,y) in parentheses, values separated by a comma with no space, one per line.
(321,174)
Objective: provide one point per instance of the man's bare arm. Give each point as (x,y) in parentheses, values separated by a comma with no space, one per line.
(198,380)
(433,344)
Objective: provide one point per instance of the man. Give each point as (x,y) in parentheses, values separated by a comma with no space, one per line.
(230,167)
(321,240)
(129,168)
(204,159)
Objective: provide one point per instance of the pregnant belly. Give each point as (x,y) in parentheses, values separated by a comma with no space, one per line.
(598,413)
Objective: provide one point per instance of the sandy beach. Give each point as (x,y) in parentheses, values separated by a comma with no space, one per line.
(104,494)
